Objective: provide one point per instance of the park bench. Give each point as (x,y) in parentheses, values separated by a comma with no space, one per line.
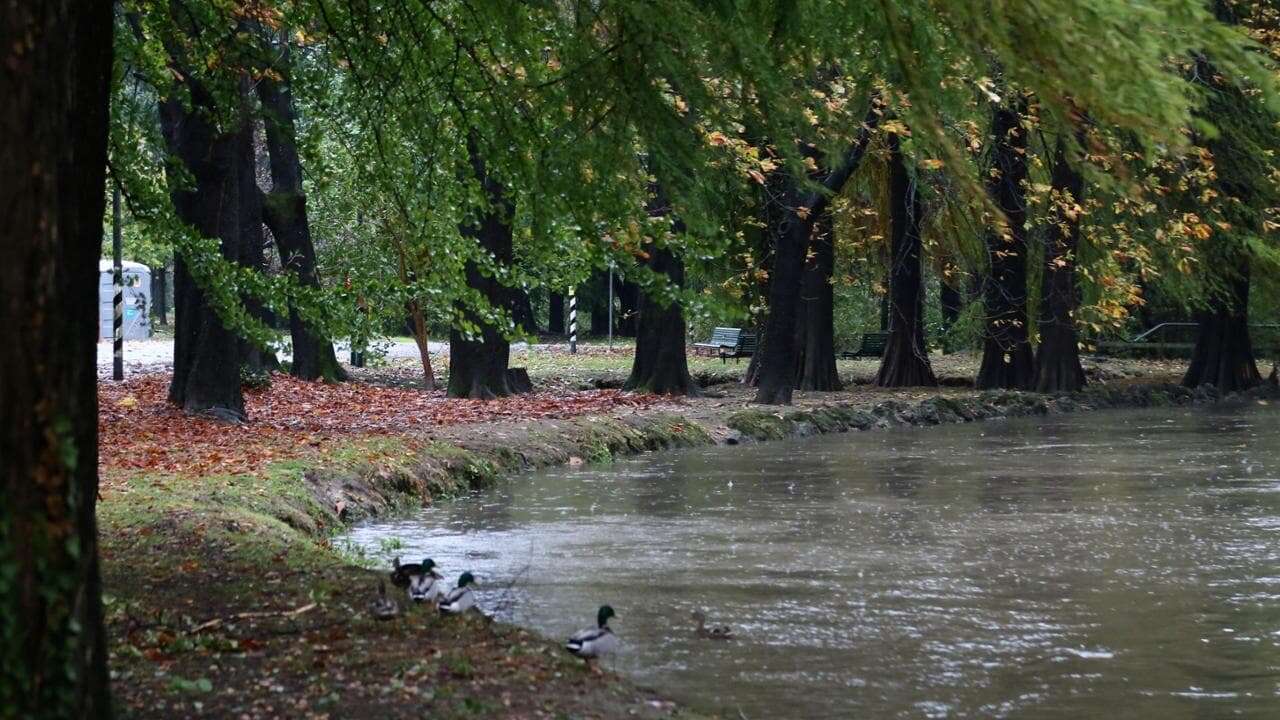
(728,342)
(873,345)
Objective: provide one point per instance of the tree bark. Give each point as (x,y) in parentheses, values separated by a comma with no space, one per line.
(160,294)
(790,213)
(422,338)
(1058,366)
(478,366)
(206,357)
(600,303)
(555,313)
(522,310)
(775,379)
(285,211)
(253,358)
(53,152)
(628,293)
(906,359)
(817,367)
(660,364)
(1223,354)
(1007,360)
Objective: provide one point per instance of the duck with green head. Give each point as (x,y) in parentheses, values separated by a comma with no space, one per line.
(461,598)
(592,643)
(421,580)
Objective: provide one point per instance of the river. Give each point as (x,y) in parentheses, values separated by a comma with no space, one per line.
(1108,564)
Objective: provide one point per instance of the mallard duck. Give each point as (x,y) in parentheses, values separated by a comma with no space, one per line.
(594,642)
(715,632)
(401,573)
(461,598)
(384,608)
(425,584)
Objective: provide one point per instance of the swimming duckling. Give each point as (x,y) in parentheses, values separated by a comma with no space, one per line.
(715,632)
(384,608)
(460,599)
(594,642)
(427,585)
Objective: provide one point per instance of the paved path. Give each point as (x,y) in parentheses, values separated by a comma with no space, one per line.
(157,354)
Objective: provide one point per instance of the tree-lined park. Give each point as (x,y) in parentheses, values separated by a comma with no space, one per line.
(569,209)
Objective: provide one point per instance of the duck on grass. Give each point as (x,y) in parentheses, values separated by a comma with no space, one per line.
(592,643)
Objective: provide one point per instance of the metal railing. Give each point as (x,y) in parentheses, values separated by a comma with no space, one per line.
(1148,333)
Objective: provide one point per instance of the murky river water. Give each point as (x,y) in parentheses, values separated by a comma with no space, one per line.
(1122,564)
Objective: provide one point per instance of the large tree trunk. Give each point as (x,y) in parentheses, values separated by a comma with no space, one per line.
(817,366)
(285,211)
(626,324)
(253,358)
(906,359)
(1007,360)
(1223,355)
(600,303)
(522,310)
(660,364)
(775,379)
(478,366)
(790,214)
(1058,366)
(206,357)
(555,313)
(53,150)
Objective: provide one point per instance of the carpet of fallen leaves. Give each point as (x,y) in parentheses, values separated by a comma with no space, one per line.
(140,430)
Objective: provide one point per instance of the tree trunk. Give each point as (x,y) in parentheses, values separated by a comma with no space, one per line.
(253,358)
(952,301)
(422,338)
(522,310)
(478,366)
(906,359)
(160,297)
(285,211)
(1223,355)
(817,367)
(206,357)
(763,251)
(1058,366)
(600,303)
(53,151)
(660,364)
(1007,360)
(626,324)
(555,313)
(776,377)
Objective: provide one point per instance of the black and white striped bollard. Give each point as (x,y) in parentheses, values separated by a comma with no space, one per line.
(117,301)
(573,322)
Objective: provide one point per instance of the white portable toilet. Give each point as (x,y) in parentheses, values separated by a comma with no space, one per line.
(137,300)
